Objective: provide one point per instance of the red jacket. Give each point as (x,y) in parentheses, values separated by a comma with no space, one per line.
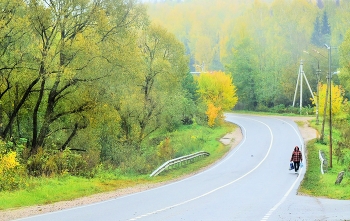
(296,156)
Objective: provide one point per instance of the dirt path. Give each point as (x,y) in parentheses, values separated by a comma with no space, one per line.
(233,139)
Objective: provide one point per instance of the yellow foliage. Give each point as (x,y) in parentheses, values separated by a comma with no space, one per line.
(337,98)
(218,92)
(8,161)
(212,114)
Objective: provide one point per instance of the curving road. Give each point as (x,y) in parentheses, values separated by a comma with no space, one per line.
(251,183)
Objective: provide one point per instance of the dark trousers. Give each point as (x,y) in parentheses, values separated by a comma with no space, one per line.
(296,165)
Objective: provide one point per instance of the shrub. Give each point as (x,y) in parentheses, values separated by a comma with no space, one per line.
(165,151)
(137,164)
(51,163)
(262,108)
(279,109)
(11,172)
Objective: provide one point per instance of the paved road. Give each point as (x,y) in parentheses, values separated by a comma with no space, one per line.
(251,183)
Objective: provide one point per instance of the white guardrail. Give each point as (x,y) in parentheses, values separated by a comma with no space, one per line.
(178,160)
(320,155)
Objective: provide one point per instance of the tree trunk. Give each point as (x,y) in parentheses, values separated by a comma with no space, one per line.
(35,118)
(13,115)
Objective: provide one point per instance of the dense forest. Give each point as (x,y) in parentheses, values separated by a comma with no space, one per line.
(89,84)
(260,42)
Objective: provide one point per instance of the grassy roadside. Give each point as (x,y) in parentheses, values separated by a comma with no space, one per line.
(41,191)
(323,185)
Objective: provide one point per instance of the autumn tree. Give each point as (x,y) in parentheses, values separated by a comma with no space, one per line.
(337,98)
(14,49)
(150,95)
(219,94)
(165,68)
(55,54)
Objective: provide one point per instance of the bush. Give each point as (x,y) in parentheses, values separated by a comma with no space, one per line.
(138,165)
(279,109)
(11,173)
(51,163)
(293,110)
(262,108)
(307,110)
(165,150)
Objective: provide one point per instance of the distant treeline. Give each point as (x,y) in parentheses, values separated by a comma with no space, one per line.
(261,43)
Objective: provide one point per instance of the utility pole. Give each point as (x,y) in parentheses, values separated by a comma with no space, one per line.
(326,99)
(318,72)
(301,74)
(330,104)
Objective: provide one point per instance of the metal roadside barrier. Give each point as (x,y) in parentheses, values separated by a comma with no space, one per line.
(323,161)
(178,160)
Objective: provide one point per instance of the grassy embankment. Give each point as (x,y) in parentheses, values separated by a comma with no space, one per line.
(41,191)
(323,185)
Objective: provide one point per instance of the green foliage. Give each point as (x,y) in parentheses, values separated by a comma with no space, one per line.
(186,140)
(316,34)
(316,184)
(281,109)
(261,45)
(53,163)
(191,99)
(344,61)
(12,173)
(341,150)
(322,31)
(165,150)
(244,72)
(89,88)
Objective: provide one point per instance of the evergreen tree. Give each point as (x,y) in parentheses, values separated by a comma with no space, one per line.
(326,28)
(316,35)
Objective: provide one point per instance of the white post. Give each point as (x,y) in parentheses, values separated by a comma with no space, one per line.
(307,82)
(301,84)
(296,88)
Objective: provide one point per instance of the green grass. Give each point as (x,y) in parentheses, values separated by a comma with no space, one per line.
(49,190)
(40,191)
(323,185)
(46,190)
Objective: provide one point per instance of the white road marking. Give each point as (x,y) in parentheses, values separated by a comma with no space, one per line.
(214,190)
(267,216)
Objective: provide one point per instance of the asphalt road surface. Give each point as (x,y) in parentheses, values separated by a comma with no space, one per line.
(251,183)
